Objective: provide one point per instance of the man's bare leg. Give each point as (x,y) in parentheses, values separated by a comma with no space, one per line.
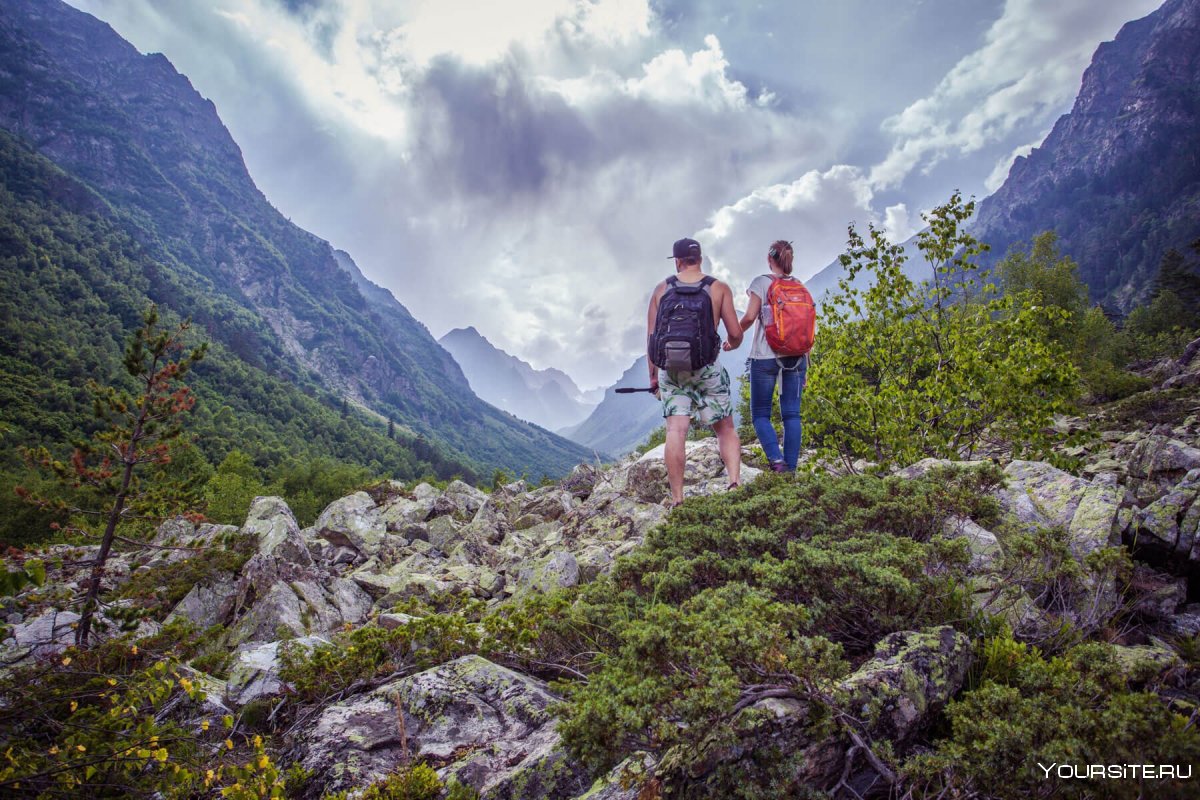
(731,449)
(675,455)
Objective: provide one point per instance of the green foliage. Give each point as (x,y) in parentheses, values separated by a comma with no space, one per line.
(309,485)
(1074,709)
(89,723)
(1172,317)
(681,669)
(135,428)
(414,782)
(902,371)
(15,577)
(1045,277)
(372,652)
(764,589)
(1182,279)
(229,492)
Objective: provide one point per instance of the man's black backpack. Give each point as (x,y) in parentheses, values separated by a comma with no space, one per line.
(685,336)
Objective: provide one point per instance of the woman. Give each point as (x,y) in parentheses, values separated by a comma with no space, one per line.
(765,365)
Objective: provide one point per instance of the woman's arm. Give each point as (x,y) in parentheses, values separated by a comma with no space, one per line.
(751,312)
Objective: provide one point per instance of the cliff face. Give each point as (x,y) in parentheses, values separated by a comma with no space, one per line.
(136,131)
(1118,178)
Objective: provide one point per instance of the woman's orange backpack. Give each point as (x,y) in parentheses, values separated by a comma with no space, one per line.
(793,317)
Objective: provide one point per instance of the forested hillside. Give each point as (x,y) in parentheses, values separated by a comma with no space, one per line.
(142,150)
(75,283)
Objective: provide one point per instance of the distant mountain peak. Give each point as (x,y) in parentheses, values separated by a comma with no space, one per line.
(547,397)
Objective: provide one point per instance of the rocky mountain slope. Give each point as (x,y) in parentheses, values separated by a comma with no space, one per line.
(166,172)
(492,726)
(1117,178)
(545,397)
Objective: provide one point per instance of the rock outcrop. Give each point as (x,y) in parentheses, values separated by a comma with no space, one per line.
(486,725)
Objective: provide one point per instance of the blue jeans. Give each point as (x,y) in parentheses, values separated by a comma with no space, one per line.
(763,372)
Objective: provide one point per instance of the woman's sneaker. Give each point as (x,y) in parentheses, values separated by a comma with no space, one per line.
(779,466)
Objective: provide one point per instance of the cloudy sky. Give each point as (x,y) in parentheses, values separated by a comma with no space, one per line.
(524,166)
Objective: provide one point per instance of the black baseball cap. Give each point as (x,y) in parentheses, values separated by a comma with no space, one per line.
(687,248)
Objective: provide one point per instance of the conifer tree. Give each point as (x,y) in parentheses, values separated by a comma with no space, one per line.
(136,428)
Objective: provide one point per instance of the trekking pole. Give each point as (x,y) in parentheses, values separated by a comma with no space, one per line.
(632,389)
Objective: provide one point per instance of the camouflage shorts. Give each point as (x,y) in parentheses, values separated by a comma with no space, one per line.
(702,395)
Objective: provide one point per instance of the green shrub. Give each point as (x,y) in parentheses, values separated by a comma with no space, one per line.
(680,670)
(414,782)
(1075,709)
(372,652)
(901,371)
(92,722)
(768,586)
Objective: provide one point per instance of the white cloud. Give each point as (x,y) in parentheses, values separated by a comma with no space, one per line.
(1027,70)
(898,223)
(811,212)
(674,79)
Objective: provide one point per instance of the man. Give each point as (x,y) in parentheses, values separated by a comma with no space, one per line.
(701,394)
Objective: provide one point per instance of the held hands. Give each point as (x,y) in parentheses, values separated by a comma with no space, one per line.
(727,347)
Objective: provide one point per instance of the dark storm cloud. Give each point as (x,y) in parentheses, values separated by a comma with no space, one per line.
(486,132)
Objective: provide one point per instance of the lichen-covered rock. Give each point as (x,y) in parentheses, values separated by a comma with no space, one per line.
(1170,526)
(208,603)
(985,548)
(184,539)
(442,532)
(255,671)
(466,497)
(1144,663)
(353,521)
(397,513)
(43,636)
(1157,456)
(594,561)
(612,517)
(581,481)
(488,726)
(911,676)
(626,781)
(273,524)
(1039,495)
(557,571)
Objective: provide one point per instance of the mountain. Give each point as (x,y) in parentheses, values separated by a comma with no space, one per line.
(1118,178)
(140,149)
(546,397)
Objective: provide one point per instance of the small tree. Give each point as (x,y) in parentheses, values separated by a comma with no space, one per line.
(903,370)
(137,428)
